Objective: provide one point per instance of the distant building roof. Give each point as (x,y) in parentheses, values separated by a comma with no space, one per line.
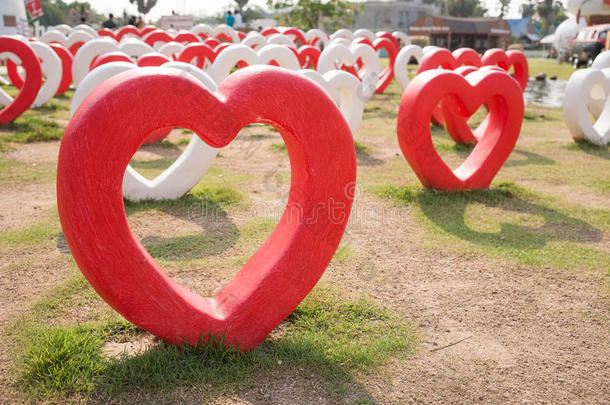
(518,26)
(435,23)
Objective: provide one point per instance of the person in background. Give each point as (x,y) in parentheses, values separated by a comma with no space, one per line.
(229,19)
(140,23)
(109,23)
(132,20)
(239,23)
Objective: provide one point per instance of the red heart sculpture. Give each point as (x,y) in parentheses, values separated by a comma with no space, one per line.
(284,269)
(456,126)
(33,78)
(307,55)
(445,59)
(504,60)
(200,52)
(388,73)
(505,102)
(128,29)
(66,66)
(298,35)
(105,32)
(152,59)
(109,57)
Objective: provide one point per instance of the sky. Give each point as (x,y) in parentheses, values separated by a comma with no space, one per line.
(213,7)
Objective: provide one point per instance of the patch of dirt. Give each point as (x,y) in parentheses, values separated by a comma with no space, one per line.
(41,153)
(25,203)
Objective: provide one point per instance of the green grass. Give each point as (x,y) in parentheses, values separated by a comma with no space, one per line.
(327,335)
(550,67)
(278,147)
(510,222)
(35,234)
(31,129)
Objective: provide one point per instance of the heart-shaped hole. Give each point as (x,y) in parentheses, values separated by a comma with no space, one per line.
(224,219)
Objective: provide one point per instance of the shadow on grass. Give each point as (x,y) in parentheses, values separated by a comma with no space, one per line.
(321,347)
(204,208)
(531,158)
(448,209)
(591,149)
(364,158)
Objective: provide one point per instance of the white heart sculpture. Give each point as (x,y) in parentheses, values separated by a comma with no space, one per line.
(342,33)
(254,40)
(219,29)
(322,37)
(85,55)
(63,28)
(598,96)
(575,112)
(171,49)
(363,32)
(191,165)
(228,58)
(344,88)
(51,67)
(402,60)
(349,56)
(403,39)
(280,39)
(67,41)
(87,29)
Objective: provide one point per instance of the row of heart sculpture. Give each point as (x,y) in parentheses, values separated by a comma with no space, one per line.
(114,119)
(592,85)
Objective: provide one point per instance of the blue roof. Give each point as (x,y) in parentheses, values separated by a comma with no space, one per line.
(518,26)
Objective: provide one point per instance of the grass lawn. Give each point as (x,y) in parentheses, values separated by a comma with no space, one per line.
(431,297)
(550,67)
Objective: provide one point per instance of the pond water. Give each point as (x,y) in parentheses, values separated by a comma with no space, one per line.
(547,93)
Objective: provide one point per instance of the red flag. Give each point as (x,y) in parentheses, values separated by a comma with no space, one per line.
(578,16)
(34,8)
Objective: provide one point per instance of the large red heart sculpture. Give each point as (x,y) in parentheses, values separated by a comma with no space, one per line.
(505,101)
(284,269)
(33,78)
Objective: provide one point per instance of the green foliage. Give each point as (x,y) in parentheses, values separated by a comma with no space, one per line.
(465,8)
(144,6)
(545,13)
(503,6)
(308,14)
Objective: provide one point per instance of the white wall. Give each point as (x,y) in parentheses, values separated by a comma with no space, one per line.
(12,8)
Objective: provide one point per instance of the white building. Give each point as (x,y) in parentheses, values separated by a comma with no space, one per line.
(392,15)
(12,18)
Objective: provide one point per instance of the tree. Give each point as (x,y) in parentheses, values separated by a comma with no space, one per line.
(241,4)
(307,14)
(52,13)
(545,13)
(504,5)
(465,8)
(144,6)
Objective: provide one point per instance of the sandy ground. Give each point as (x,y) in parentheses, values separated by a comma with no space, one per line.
(491,331)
